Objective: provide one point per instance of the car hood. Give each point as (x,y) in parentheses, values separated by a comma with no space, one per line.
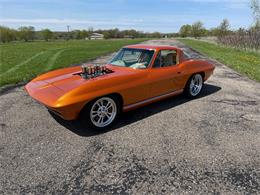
(51,86)
(69,78)
(66,81)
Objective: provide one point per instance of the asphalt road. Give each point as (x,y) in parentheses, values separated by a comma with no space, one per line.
(207,145)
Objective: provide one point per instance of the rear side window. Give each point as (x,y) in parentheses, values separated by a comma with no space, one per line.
(186,55)
(166,58)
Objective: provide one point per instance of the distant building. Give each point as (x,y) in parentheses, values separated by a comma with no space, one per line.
(95,36)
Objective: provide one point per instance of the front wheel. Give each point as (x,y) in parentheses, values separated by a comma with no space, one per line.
(101,113)
(194,86)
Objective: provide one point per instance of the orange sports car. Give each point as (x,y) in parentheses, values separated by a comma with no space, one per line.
(136,76)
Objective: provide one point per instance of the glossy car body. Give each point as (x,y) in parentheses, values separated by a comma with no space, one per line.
(66,93)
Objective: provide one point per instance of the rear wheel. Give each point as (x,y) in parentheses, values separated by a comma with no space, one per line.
(101,113)
(194,86)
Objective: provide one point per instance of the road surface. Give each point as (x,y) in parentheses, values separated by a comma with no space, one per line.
(207,145)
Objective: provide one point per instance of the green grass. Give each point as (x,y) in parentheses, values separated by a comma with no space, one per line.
(23,61)
(245,62)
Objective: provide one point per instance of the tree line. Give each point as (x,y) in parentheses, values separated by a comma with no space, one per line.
(28,33)
(242,38)
(197,30)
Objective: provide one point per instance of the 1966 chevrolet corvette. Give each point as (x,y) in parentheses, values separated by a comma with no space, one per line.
(136,76)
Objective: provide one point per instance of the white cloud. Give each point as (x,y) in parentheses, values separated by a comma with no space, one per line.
(170,23)
(67,21)
(60,24)
(47,21)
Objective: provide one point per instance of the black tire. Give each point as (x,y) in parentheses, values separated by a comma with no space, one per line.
(189,90)
(87,120)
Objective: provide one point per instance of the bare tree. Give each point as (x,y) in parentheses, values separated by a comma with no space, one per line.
(255,6)
(224,27)
(243,38)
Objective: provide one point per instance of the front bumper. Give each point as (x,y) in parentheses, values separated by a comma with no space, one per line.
(66,113)
(48,96)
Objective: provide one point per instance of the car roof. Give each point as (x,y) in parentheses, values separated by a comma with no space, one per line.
(157,47)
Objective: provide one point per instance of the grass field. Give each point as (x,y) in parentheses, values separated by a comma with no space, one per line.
(23,61)
(247,63)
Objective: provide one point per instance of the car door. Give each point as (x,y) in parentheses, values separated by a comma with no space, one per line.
(165,76)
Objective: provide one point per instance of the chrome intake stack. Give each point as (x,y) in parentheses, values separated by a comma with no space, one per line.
(91,71)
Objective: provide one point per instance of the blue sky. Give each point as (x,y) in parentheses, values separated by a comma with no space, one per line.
(144,15)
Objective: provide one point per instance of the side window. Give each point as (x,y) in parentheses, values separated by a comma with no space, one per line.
(165,58)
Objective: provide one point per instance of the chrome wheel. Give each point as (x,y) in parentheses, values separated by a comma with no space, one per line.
(103,112)
(196,84)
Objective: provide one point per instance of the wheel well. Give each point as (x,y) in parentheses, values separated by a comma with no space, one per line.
(202,74)
(119,97)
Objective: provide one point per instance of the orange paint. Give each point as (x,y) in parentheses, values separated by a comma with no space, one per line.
(66,93)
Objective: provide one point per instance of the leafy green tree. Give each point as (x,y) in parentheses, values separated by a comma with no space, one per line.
(214,32)
(84,34)
(197,29)
(7,34)
(76,34)
(156,35)
(26,33)
(106,35)
(132,33)
(185,30)
(47,34)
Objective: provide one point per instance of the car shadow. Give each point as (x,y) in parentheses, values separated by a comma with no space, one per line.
(135,115)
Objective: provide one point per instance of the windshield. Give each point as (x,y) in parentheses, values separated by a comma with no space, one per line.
(133,58)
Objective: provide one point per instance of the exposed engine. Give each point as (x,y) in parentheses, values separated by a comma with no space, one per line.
(92,71)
